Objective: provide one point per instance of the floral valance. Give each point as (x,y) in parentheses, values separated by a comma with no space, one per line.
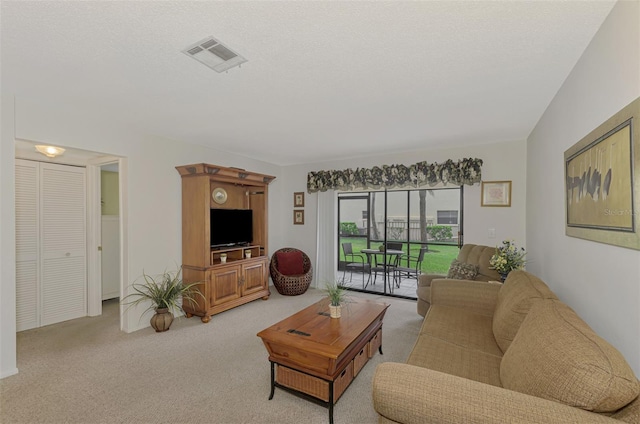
(464,171)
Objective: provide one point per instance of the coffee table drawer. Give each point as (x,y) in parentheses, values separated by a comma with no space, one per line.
(314,386)
(360,360)
(375,343)
(342,382)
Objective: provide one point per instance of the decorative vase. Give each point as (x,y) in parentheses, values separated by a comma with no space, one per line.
(335,311)
(162,320)
(503,276)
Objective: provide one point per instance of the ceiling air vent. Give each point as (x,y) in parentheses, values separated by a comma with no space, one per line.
(214,54)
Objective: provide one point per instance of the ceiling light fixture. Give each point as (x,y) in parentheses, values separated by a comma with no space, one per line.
(50,151)
(214,54)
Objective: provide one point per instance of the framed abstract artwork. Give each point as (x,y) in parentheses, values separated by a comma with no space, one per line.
(601,182)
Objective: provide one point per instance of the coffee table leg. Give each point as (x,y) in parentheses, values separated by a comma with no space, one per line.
(273,386)
(331,402)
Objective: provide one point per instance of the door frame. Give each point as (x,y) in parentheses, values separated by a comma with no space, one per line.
(94,234)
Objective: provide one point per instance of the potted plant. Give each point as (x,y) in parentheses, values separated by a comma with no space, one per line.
(508,258)
(165,292)
(337,295)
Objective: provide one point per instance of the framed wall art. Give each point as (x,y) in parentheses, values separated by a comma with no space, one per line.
(298,199)
(495,193)
(601,182)
(298,217)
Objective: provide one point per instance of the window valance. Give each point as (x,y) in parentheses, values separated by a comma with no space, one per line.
(464,171)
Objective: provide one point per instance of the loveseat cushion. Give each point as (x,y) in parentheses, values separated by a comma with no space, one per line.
(480,255)
(557,356)
(518,293)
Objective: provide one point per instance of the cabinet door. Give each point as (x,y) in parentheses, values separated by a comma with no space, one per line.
(255,277)
(224,285)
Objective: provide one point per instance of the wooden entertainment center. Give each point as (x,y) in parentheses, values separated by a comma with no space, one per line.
(243,277)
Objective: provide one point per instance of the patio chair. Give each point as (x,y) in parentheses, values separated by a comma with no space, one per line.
(414,265)
(353,262)
(392,245)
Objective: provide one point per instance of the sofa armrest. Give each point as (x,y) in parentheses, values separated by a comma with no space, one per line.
(409,394)
(479,296)
(424,280)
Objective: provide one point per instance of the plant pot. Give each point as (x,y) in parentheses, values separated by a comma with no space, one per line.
(335,311)
(162,320)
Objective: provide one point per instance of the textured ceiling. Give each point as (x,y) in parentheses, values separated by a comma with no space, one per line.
(324,80)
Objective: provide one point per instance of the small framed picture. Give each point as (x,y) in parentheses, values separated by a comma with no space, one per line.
(496,193)
(298,199)
(298,217)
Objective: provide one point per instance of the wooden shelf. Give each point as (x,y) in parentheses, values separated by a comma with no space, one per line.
(235,254)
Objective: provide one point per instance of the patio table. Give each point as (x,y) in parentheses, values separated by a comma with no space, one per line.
(390,260)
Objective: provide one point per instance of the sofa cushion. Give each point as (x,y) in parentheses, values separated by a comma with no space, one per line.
(461,326)
(444,356)
(462,271)
(557,356)
(518,293)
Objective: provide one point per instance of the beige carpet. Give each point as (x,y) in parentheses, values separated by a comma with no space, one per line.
(87,371)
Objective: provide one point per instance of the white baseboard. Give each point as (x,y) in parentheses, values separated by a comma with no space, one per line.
(8,373)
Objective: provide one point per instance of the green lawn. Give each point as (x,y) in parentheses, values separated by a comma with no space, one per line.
(436,261)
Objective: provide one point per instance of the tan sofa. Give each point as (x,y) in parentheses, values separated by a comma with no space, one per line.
(473,254)
(505,353)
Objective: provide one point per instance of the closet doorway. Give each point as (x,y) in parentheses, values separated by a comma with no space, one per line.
(51,234)
(36,290)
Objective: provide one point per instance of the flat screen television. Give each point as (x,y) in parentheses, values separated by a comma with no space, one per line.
(231,227)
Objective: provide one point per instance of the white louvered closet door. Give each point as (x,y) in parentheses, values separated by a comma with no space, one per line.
(27,293)
(62,243)
(51,270)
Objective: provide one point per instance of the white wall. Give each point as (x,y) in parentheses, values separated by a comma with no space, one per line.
(601,282)
(154,192)
(7,242)
(502,161)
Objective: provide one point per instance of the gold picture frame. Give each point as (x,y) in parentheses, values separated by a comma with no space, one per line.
(298,217)
(298,199)
(495,193)
(601,187)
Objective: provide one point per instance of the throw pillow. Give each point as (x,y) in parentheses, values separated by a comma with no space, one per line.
(290,263)
(461,271)
(556,356)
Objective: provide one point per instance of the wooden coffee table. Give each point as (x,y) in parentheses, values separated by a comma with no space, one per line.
(316,356)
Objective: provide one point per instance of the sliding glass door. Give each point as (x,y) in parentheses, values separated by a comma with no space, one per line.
(421,230)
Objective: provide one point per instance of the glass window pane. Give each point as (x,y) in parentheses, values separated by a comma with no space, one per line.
(397,223)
